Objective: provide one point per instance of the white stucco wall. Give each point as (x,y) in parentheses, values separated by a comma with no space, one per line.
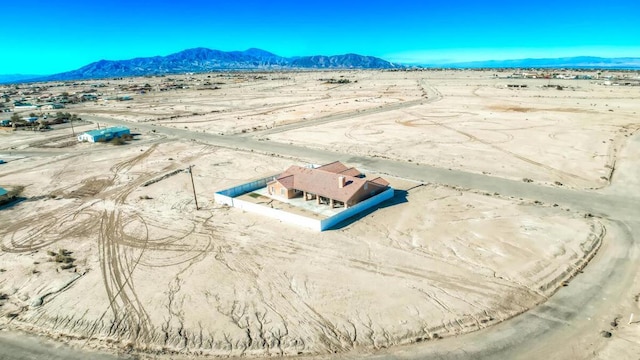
(356,209)
(281,215)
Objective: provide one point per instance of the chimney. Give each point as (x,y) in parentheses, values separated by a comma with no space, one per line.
(340,182)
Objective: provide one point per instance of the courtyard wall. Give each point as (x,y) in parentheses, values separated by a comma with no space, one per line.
(229,197)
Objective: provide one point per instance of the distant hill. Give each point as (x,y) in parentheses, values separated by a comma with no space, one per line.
(578,62)
(202,59)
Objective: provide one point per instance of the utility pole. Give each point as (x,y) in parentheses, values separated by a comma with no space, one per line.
(193,186)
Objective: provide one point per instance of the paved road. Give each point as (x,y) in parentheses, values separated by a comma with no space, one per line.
(590,201)
(565,321)
(337,117)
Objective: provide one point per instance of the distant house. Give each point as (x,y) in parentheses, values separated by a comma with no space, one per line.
(30,119)
(5,123)
(334,184)
(104,134)
(52,106)
(89,97)
(25,107)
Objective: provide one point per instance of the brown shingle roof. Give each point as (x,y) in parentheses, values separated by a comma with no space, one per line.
(334,167)
(337,167)
(380,181)
(286,181)
(325,183)
(351,172)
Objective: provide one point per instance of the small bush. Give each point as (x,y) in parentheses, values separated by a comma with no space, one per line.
(15,192)
(63,259)
(67,266)
(63,256)
(64,252)
(117,141)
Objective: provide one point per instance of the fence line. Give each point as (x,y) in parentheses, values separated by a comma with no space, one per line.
(228,197)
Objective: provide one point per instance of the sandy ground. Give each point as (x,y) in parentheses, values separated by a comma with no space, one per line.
(155,274)
(469,121)
(151,273)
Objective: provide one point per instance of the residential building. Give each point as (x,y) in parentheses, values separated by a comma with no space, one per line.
(334,184)
(104,134)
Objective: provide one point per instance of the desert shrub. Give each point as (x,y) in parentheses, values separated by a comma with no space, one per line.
(63,259)
(117,141)
(62,256)
(16,191)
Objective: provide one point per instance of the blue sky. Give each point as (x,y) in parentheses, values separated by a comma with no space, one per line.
(46,37)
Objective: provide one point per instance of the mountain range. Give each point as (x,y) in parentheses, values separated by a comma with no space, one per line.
(202,60)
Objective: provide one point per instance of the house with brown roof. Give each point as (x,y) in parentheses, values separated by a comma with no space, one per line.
(333,184)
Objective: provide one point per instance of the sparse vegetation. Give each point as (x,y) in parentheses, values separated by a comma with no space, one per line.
(63,257)
(117,141)
(336,81)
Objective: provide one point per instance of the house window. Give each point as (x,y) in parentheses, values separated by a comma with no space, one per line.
(281,191)
(272,191)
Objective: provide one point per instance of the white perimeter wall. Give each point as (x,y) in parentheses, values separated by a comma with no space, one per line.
(228,197)
(354,210)
(282,215)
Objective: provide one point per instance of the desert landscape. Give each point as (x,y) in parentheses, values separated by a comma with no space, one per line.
(515,204)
